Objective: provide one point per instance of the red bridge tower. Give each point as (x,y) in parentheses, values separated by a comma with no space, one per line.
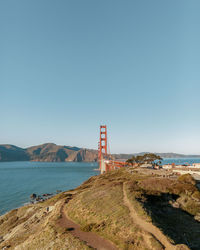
(105,161)
(102,147)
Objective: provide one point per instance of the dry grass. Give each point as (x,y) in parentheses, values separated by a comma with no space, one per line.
(100,208)
(134,195)
(30,227)
(101,201)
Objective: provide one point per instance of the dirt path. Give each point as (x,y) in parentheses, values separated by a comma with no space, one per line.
(149,227)
(93,240)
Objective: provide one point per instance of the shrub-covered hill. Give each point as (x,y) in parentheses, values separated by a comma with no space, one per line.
(127,208)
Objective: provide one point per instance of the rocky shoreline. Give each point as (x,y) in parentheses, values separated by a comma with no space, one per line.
(34,198)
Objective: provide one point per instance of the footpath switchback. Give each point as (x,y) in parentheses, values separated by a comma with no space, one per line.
(91,239)
(149,227)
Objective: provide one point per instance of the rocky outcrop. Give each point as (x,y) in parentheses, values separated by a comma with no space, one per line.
(33,196)
(84,155)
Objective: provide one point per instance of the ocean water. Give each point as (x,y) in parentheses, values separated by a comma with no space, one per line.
(18,180)
(179,161)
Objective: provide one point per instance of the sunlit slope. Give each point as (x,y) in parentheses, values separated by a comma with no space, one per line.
(130,208)
(168,204)
(32,227)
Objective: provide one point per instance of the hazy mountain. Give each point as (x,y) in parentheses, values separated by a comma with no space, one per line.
(163,155)
(46,152)
(56,153)
(13,153)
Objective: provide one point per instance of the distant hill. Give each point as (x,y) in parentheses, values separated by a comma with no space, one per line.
(51,152)
(13,153)
(163,155)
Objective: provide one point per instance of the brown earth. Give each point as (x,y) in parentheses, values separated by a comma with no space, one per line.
(91,239)
(149,227)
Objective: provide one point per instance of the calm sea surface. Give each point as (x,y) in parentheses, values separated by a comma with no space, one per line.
(18,180)
(181,160)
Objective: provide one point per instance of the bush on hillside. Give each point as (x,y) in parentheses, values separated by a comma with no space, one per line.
(187,178)
(196,195)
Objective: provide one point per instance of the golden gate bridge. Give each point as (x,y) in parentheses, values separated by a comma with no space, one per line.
(106,161)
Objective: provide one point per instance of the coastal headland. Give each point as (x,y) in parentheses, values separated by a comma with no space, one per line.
(129,208)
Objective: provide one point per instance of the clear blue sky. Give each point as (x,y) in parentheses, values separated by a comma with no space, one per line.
(68,66)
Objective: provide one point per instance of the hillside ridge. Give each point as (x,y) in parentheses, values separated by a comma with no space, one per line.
(50,152)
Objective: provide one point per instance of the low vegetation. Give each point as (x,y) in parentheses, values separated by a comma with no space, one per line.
(31,227)
(170,204)
(144,159)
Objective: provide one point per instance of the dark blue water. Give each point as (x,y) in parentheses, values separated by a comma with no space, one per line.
(180,161)
(18,180)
